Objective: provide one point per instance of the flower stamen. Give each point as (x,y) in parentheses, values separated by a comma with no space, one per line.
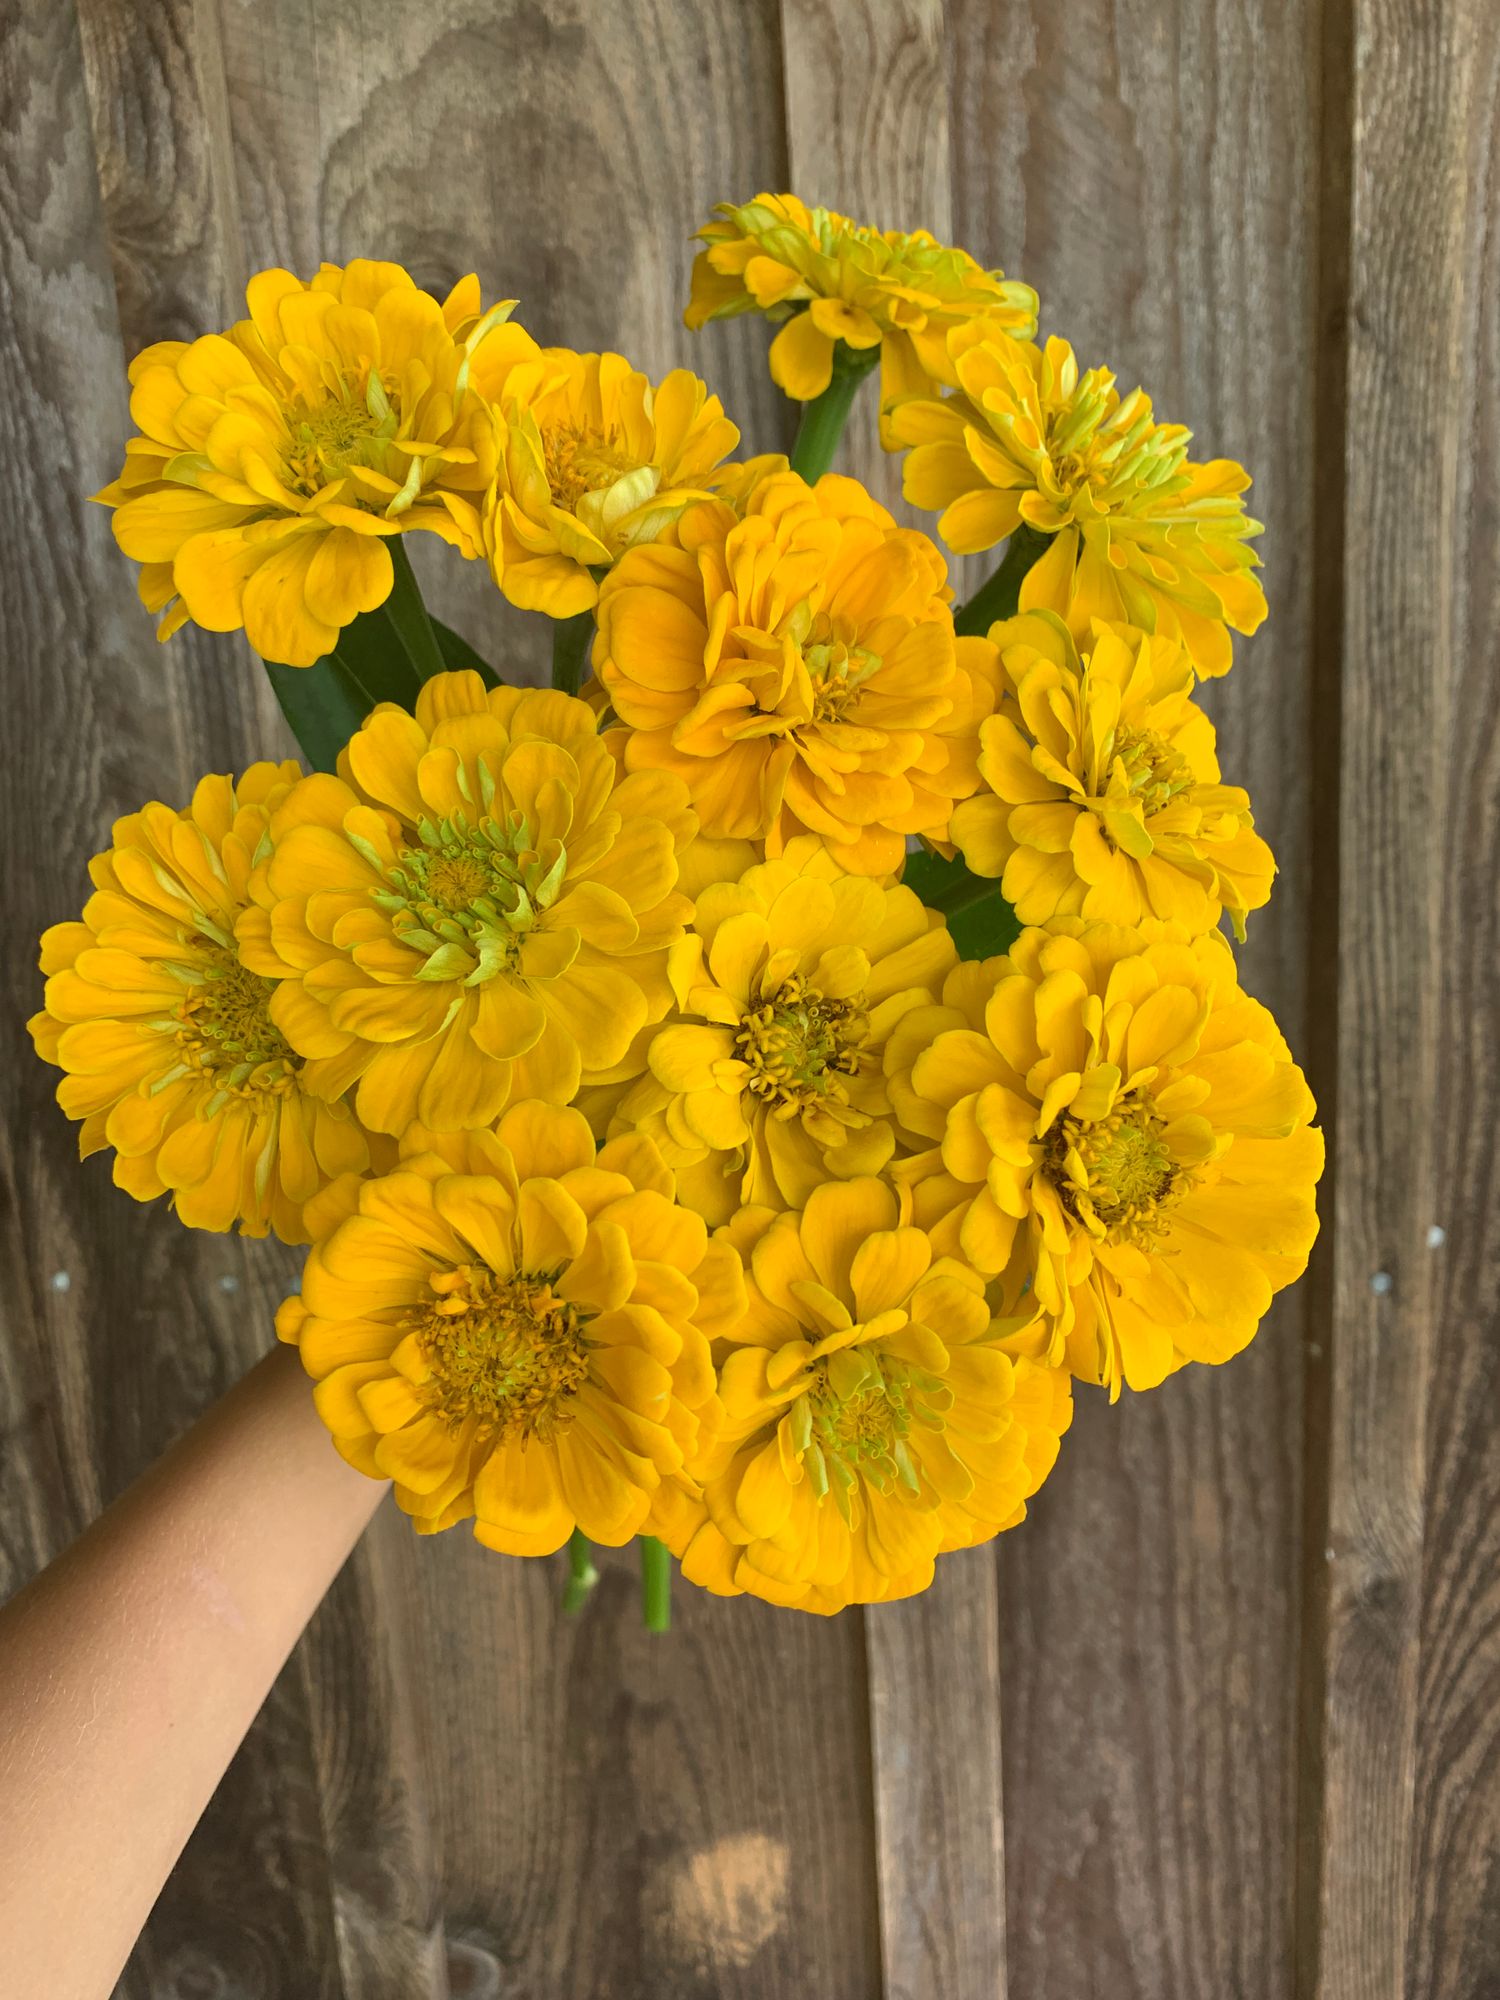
(507,1352)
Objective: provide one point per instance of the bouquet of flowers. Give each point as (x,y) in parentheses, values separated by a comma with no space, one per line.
(730,1095)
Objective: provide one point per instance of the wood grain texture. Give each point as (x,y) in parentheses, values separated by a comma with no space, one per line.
(1114,156)
(1411,1836)
(879,149)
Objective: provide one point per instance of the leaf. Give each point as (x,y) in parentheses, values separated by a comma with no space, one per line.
(980,921)
(458,654)
(321,705)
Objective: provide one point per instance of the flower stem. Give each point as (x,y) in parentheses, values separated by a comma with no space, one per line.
(582,1576)
(999,596)
(407,617)
(656,1585)
(824,418)
(570,645)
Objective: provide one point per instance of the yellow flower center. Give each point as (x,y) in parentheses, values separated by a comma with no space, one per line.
(801,1047)
(224,1028)
(466,892)
(837,671)
(579,459)
(505,1351)
(333,436)
(1154,771)
(1117,1176)
(1105,458)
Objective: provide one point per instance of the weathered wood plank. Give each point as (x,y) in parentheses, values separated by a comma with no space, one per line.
(877,148)
(162,136)
(1117,157)
(122,1325)
(1411,1824)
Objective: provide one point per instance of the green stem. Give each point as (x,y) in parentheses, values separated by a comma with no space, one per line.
(570,645)
(1001,594)
(656,1585)
(824,418)
(582,1576)
(407,616)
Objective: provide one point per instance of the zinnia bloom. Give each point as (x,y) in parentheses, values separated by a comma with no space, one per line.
(871,1421)
(476,910)
(276,459)
(835,280)
(166,1038)
(515,1329)
(1119,1135)
(768,1081)
(794,664)
(1140,534)
(1101,793)
(591,460)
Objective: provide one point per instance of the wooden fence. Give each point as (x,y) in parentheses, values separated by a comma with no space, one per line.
(1222,1722)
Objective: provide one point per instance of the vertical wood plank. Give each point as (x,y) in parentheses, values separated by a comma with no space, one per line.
(614,1814)
(875,144)
(1411,1824)
(1152,170)
(121,1325)
(333,1739)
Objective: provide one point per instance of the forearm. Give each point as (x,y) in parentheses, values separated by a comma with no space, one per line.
(132,1667)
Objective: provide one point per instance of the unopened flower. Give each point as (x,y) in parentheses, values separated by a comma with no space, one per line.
(794,663)
(1140,533)
(515,1328)
(478,909)
(166,1038)
(275,460)
(1100,793)
(871,1420)
(832,280)
(1119,1136)
(591,461)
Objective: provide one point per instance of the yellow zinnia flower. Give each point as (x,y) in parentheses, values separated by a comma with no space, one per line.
(1119,1135)
(794,663)
(167,1041)
(477,909)
(591,460)
(1140,534)
(835,280)
(275,459)
(514,1329)
(768,1080)
(1101,794)
(871,1421)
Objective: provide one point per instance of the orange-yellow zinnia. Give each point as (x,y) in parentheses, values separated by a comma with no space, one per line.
(871,1420)
(274,461)
(477,909)
(1140,534)
(794,663)
(166,1039)
(516,1329)
(1119,1135)
(1101,794)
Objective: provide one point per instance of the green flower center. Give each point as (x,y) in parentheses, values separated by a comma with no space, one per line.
(852,1422)
(224,1028)
(347,430)
(800,1047)
(1116,1176)
(507,1352)
(467,892)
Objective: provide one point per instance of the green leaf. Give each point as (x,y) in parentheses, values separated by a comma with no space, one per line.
(458,654)
(980,921)
(323,706)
